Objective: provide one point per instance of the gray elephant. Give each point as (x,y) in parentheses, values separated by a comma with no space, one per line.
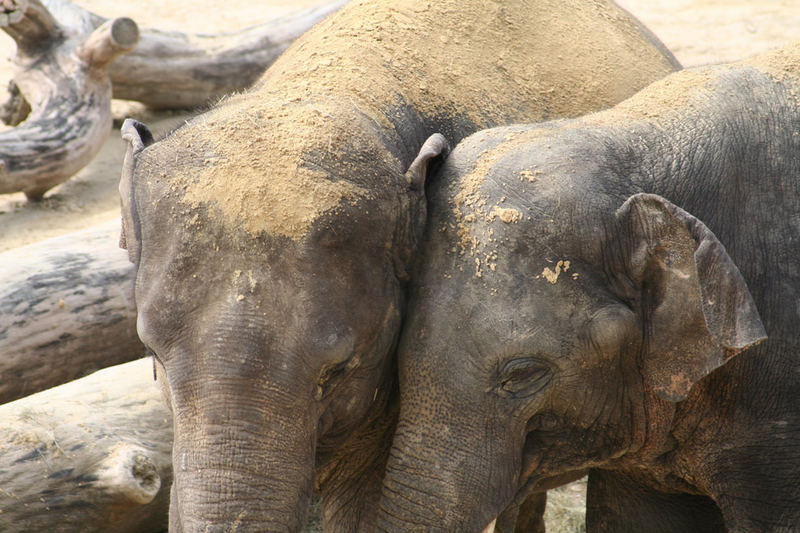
(274,235)
(586,288)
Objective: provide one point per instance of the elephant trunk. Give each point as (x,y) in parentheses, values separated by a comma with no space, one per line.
(437,486)
(240,470)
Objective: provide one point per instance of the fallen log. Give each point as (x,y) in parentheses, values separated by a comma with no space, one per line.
(170,69)
(62,77)
(93,455)
(179,71)
(66,309)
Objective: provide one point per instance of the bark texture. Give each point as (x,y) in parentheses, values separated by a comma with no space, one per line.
(93,455)
(62,77)
(66,309)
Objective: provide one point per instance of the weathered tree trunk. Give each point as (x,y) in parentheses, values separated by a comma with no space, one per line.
(66,309)
(169,69)
(175,70)
(91,455)
(63,79)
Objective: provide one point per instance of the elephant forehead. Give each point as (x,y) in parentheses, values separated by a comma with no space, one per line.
(257,167)
(507,196)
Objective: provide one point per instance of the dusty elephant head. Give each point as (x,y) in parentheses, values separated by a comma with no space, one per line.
(301,322)
(566,318)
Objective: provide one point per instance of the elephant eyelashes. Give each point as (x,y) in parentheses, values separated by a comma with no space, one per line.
(150,353)
(329,375)
(521,378)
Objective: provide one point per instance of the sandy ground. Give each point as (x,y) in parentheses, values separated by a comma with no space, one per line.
(697,31)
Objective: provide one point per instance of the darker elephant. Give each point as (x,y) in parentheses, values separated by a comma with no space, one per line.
(592,299)
(274,235)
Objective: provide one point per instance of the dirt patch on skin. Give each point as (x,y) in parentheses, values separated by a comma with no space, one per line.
(276,153)
(243,143)
(469,205)
(552,275)
(783,64)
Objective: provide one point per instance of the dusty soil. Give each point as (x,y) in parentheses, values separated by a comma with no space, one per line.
(697,31)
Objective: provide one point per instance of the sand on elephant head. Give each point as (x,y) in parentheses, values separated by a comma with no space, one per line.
(471,205)
(673,98)
(680,91)
(254,173)
(783,63)
(276,147)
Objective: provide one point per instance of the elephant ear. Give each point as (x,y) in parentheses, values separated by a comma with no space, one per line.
(435,148)
(138,138)
(698,311)
(432,152)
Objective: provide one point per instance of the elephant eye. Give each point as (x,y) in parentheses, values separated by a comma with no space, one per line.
(329,376)
(333,372)
(520,378)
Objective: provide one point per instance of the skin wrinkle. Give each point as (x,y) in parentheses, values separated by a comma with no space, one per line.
(652,422)
(213,183)
(404,499)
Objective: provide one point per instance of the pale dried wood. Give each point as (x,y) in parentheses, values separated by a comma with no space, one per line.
(176,70)
(66,309)
(170,69)
(63,78)
(93,455)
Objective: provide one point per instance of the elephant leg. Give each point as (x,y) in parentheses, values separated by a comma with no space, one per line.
(616,503)
(525,518)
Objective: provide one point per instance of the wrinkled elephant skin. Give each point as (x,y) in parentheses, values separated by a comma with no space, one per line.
(596,296)
(274,236)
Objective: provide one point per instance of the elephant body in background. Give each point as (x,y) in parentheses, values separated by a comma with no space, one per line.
(274,235)
(615,294)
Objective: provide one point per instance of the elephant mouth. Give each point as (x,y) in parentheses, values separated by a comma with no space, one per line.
(532,477)
(542,483)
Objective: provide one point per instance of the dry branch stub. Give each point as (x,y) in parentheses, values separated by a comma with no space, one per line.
(110,40)
(63,78)
(30,24)
(93,455)
(66,309)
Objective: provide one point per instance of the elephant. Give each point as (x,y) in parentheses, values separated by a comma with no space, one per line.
(274,235)
(614,294)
